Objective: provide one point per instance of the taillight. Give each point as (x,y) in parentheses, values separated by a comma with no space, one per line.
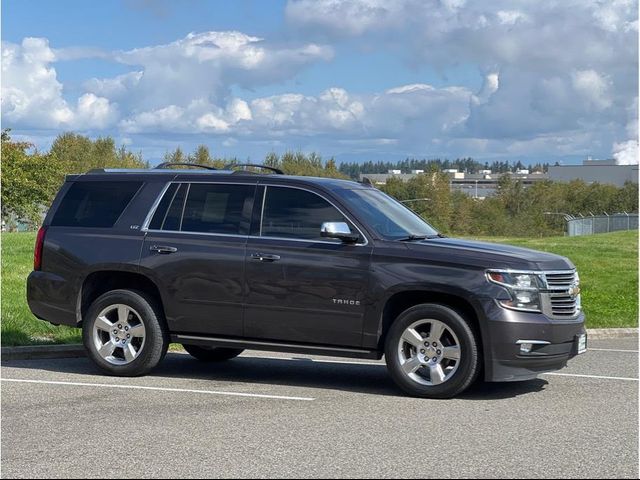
(37,252)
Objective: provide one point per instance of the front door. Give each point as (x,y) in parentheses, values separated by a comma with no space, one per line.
(194,249)
(304,288)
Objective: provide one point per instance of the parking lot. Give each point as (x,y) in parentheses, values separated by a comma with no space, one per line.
(279,415)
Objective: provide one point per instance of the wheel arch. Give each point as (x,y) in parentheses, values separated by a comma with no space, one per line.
(101,281)
(402,300)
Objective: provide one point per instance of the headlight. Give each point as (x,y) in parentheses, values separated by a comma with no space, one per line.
(524,288)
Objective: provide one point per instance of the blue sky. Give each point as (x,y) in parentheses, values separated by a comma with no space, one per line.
(365,79)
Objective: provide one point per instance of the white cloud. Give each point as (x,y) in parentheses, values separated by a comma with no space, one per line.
(593,87)
(31,93)
(556,68)
(617,15)
(511,17)
(32,96)
(204,66)
(199,116)
(116,87)
(344,18)
(184,86)
(626,153)
(95,111)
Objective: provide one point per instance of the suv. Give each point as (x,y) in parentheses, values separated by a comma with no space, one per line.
(222,261)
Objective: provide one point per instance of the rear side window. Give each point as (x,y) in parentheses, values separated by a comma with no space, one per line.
(298,214)
(94,204)
(169,211)
(218,208)
(161,210)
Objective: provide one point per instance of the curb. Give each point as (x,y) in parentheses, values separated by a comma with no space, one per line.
(35,352)
(602,333)
(77,351)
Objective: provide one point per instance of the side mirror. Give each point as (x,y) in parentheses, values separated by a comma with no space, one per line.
(339,230)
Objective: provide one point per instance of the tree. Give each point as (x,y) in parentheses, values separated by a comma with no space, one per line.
(80,154)
(298,163)
(29,181)
(177,156)
(201,156)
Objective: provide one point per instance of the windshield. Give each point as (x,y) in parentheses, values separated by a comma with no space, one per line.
(388,217)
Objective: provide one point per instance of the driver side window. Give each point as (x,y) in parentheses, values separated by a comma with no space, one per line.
(297,214)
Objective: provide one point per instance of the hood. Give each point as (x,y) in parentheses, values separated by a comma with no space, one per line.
(489,255)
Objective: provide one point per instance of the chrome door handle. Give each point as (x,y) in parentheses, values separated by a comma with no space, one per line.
(264,257)
(163,249)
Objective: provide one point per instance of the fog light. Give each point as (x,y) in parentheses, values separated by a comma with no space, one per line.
(526,347)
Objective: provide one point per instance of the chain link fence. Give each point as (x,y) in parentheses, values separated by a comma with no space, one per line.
(602,224)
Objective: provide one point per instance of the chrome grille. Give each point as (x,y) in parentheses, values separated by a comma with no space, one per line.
(560,280)
(562,304)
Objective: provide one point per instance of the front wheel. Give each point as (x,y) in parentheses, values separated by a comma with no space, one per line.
(432,352)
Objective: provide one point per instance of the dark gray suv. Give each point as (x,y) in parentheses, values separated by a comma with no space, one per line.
(222,261)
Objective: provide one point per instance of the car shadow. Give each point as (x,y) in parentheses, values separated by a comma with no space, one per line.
(366,378)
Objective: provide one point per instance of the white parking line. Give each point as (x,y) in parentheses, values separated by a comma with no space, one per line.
(610,350)
(343,362)
(600,377)
(160,389)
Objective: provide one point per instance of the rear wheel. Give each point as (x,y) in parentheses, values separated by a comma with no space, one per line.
(432,352)
(212,354)
(124,333)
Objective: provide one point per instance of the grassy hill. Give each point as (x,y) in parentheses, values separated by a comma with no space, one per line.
(608,265)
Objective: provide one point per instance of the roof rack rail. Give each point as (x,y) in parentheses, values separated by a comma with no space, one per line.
(182,164)
(366,181)
(273,169)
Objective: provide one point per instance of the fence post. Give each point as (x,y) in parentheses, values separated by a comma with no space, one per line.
(628,220)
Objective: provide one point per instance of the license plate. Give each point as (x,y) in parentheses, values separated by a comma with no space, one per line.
(582,343)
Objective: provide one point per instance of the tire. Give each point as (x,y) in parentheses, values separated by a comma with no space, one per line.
(212,354)
(131,326)
(422,369)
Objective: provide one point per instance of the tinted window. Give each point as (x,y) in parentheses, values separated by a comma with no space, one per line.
(294,213)
(161,211)
(167,215)
(94,204)
(218,209)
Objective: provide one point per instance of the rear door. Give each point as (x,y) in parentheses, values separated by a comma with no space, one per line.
(301,287)
(194,248)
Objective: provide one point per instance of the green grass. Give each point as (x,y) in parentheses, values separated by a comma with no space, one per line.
(19,326)
(608,265)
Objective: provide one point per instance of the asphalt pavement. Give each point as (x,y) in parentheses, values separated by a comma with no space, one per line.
(280,415)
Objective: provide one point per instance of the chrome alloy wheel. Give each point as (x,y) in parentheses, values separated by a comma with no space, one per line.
(429,352)
(118,334)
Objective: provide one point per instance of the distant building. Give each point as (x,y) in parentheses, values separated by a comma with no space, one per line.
(485,183)
(592,171)
(477,185)
(590,162)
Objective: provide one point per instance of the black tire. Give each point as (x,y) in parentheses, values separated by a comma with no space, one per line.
(212,354)
(470,358)
(156,337)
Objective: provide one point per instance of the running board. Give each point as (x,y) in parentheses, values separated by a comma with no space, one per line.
(276,347)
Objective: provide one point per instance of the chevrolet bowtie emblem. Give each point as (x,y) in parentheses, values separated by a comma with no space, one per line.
(574,291)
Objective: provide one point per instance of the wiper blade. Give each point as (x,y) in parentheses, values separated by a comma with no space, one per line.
(414,238)
(417,238)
